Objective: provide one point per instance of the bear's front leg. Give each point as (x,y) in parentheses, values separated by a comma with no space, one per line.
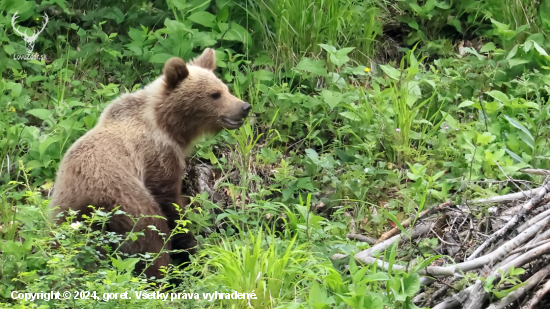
(166,194)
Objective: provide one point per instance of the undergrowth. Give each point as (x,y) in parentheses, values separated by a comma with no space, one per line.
(339,141)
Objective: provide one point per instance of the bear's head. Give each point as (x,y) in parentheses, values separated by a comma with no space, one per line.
(196,101)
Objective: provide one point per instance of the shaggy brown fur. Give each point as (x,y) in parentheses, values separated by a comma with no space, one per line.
(134,156)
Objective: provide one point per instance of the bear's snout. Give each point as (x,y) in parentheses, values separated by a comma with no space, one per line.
(237,117)
(246,109)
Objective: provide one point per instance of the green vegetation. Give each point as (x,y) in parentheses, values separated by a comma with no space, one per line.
(367,112)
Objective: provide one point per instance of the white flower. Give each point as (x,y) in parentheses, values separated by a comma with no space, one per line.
(76,225)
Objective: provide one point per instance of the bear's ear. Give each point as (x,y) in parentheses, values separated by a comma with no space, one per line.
(206,60)
(175,70)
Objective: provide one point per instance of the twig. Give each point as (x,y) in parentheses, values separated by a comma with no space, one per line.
(455,300)
(477,296)
(438,293)
(455,270)
(505,249)
(524,209)
(542,236)
(407,222)
(539,238)
(351,224)
(508,197)
(430,270)
(338,256)
(417,232)
(530,283)
(492,257)
(529,247)
(513,181)
(535,171)
(527,257)
(538,296)
(380,247)
(533,220)
(371,241)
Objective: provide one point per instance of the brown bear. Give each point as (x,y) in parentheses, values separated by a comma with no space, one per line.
(134,156)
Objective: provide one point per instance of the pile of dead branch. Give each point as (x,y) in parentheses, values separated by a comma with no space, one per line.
(515,235)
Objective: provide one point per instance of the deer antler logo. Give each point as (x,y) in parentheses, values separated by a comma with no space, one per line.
(29,40)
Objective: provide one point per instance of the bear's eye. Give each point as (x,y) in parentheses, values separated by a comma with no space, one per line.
(216,95)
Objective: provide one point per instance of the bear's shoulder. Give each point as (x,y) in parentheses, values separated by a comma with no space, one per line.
(127,106)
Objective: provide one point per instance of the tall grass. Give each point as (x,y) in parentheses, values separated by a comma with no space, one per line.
(293,28)
(516,13)
(529,15)
(272,268)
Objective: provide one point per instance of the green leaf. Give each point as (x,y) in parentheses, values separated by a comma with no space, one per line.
(32,79)
(203,18)
(351,116)
(498,96)
(125,265)
(465,103)
(9,49)
(212,157)
(411,284)
(390,71)
(316,67)
(485,138)
(263,75)
(488,47)
(500,26)
(160,58)
(474,52)
(305,183)
(352,266)
(379,276)
(331,98)
(45,144)
(41,113)
(344,51)
(457,24)
(401,297)
(312,154)
(15,89)
(137,35)
(530,141)
(358,275)
(344,156)
(512,52)
(527,46)
(338,60)
(318,296)
(514,62)
(328,48)
(541,50)
(427,262)
(516,271)
(237,33)
(136,50)
(372,301)
(514,156)
(340,57)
